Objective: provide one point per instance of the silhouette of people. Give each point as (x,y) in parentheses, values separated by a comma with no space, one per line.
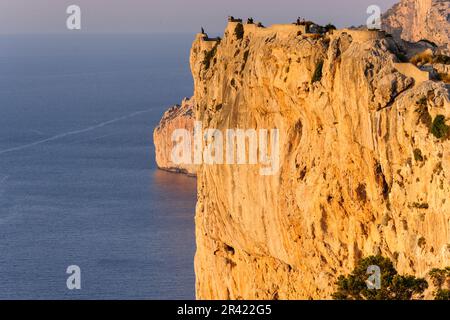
(205,35)
(250,21)
(233,19)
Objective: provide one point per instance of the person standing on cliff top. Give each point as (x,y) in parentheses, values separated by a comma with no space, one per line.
(204,33)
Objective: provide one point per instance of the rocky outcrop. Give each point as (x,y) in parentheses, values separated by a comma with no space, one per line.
(360,172)
(411,71)
(177,117)
(415,20)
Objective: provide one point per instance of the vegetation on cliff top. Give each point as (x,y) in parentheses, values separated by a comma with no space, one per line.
(439,278)
(330,27)
(392,285)
(439,129)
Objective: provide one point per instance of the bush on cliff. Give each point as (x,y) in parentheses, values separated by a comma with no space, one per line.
(442,294)
(439,129)
(418,155)
(392,285)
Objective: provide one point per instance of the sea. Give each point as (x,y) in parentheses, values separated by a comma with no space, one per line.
(79,186)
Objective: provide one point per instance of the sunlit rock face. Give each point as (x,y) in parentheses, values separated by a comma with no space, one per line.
(180,117)
(360,173)
(415,20)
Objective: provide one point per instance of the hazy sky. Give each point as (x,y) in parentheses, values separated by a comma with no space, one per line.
(149,16)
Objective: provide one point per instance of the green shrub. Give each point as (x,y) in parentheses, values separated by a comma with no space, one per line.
(239,31)
(424,115)
(442,294)
(317,76)
(439,129)
(439,278)
(418,155)
(393,285)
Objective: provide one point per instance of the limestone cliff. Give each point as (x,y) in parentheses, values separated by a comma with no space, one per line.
(414,20)
(361,173)
(177,117)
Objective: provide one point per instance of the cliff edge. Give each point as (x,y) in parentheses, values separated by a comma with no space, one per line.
(363,170)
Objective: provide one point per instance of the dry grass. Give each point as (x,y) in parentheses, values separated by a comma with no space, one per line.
(422,58)
(427,57)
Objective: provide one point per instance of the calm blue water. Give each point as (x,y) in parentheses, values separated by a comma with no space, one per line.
(78,183)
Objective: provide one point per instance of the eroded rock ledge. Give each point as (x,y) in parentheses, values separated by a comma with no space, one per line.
(361,171)
(177,117)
